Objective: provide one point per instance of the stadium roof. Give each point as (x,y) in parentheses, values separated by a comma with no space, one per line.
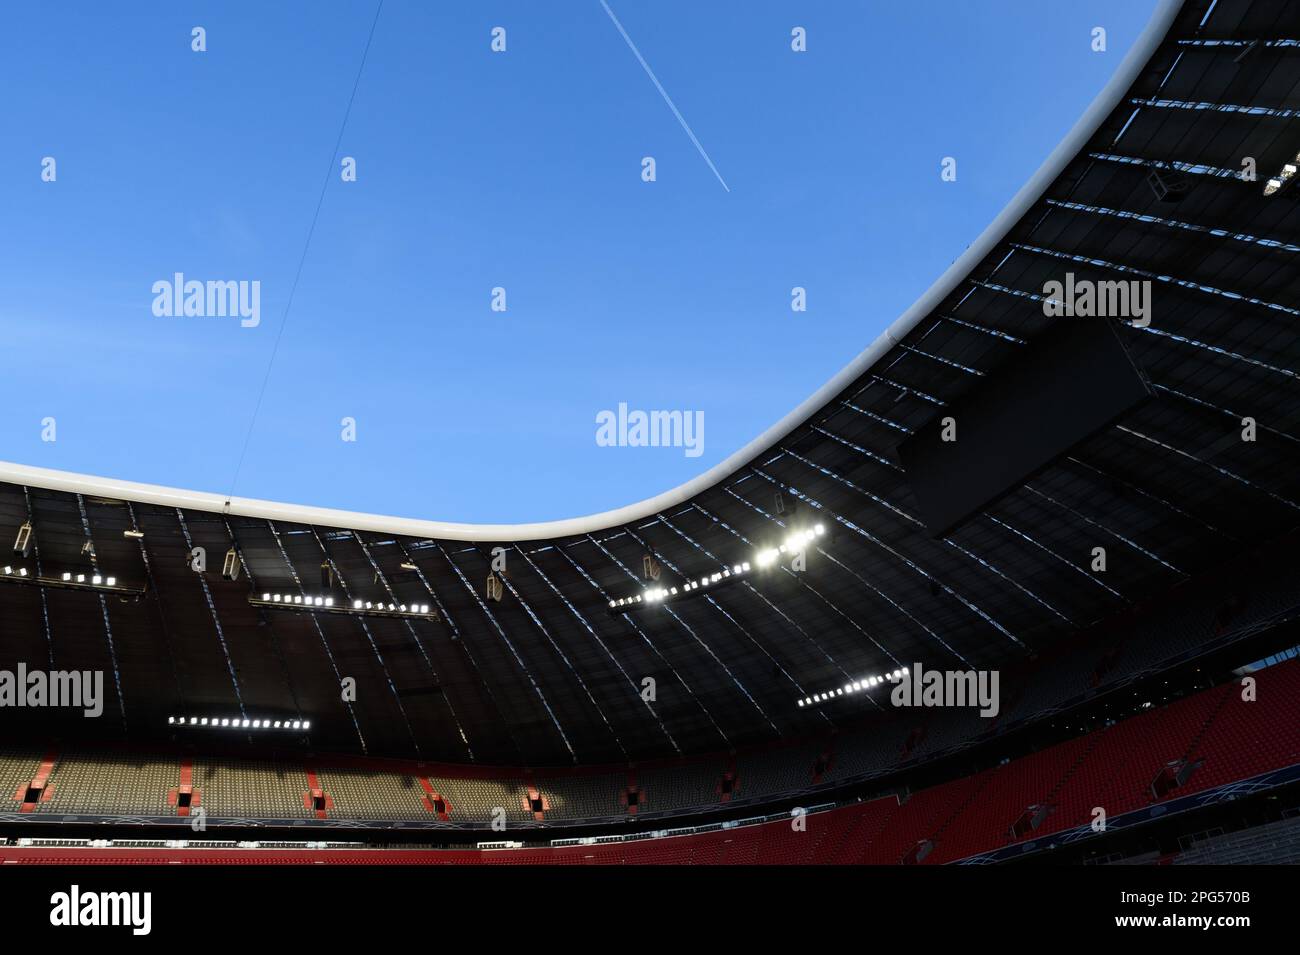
(1145,188)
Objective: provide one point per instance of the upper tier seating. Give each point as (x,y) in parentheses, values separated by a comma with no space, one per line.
(480,801)
(251,789)
(363,794)
(83,782)
(692,784)
(17,769)
(588,796)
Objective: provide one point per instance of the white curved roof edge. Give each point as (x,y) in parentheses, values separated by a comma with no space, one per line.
(1023,200)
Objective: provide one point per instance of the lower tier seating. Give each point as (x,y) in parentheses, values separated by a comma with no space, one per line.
(1277,844)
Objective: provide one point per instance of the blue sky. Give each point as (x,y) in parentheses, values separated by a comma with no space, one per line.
(477,169)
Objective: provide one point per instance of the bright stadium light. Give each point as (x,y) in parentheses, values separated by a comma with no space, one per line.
(326,604)
(237,722)
(66,580)
(763,558)
(853,687)
(1282,178)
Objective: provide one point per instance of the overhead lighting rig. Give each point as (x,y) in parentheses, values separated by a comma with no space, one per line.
(853,687)
(765,558)
(1286,174)
(68,580)
(660,594)
(238,722)
(302,603)
(95,580)
(791,545)
(418,610)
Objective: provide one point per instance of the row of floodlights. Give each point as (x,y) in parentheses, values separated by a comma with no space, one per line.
(658,594)
(710,579)
(1281,179)
(391,608)
(95,579)
(11,572)
(856,686)
(239,722)
(794,543)
(298,600)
